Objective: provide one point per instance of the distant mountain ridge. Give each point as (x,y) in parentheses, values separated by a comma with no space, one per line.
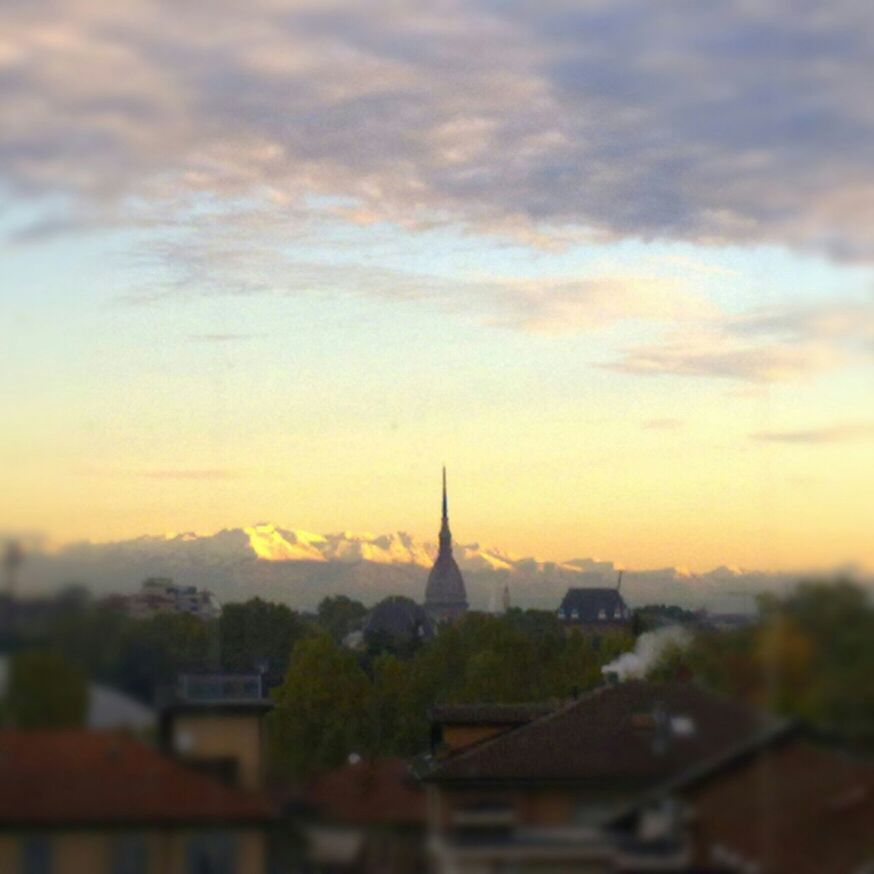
(299,567)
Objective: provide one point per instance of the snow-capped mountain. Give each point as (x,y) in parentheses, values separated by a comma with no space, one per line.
(300,568)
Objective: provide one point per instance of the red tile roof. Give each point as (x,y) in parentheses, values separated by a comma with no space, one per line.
(635,732)
(376,791)
(793,809)
(107,778)
(489,714)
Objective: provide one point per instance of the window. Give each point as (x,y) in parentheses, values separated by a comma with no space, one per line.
(602,613)
(130,855)
(617,613)
(575,614)
(212,853)
(36,855)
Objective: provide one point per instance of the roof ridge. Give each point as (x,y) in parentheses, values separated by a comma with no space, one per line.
(504,735)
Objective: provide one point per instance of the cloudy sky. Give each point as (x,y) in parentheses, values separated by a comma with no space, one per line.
(610,261)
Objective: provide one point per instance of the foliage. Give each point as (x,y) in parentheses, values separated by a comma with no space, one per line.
(136,655)
(810,656)
(321,707)
(45,691)
(332,704)
(338,615)
(652,616)
(259,636)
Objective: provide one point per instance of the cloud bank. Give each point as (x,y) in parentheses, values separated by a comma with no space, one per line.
(733,122)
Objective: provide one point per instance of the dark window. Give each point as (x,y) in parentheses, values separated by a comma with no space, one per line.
(36,855)
(212,853)
(130,855)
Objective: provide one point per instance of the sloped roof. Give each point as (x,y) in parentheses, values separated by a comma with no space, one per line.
(77,777)
(368,791)
(488,714)
(588,604)
(398,617)
(635,732)
(795,808)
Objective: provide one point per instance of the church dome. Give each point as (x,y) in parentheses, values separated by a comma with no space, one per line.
(399,619)
(445,583)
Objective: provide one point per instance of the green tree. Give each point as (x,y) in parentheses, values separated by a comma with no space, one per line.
(45,691)
(259,635)
(811,655)
(338,615)
(322,708)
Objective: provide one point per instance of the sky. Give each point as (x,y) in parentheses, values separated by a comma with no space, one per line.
(610,262)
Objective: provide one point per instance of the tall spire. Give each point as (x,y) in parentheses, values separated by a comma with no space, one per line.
(445,534)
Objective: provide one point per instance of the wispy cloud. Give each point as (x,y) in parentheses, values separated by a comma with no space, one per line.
(859,431)
(189,474)
(725,359)
(764,346)
(733,122)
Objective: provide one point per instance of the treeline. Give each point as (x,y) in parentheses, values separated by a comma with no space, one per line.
(334,701)
(140,655)
(330,700)
(810,656)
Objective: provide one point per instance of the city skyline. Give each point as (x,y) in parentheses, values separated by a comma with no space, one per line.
(614,269)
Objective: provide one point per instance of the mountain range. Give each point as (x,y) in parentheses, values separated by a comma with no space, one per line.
(300,568)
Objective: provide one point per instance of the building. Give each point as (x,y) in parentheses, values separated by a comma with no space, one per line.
(159,595)
(445,595)
(454,727)
(542,793)
(215,724)
(782,804)
(89,802)
(594,609)
(367,816)
(397,622)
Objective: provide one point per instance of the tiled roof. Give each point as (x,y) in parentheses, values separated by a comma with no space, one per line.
(77,777)
(793,809)
(636,733)
(375,791)
(593,605)
(488,714)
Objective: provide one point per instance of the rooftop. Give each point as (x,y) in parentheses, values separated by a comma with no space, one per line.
(594,605)
(368,791)
(488,714)
(795,807)
(76,777)
(635,733)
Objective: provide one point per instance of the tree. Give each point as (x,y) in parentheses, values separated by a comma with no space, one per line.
(259,636)
(45,691)
(322,707)
(338,615)
(811,655)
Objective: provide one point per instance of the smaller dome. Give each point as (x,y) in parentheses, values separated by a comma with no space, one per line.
(398,618)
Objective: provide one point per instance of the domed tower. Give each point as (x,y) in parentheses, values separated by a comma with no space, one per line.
(445,597)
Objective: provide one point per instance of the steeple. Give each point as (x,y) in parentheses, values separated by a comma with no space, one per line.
(445,533)
(445,597)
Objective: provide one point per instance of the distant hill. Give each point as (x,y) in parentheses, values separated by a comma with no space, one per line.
(300,568)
